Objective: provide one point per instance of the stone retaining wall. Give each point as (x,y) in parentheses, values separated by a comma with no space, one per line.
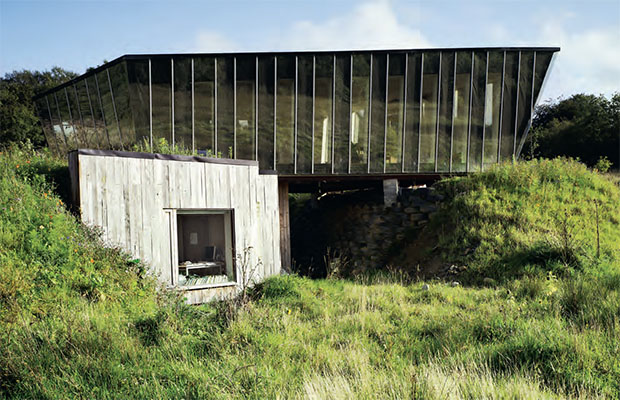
(359,229)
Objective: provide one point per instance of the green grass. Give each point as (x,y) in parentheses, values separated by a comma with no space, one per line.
(78,320)
(530,218)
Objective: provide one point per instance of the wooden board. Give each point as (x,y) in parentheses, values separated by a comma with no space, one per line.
(134,201)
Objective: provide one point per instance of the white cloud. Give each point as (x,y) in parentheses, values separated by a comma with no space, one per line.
(588,62)
(209,41)
(372,25)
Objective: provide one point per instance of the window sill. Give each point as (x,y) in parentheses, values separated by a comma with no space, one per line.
(207,286)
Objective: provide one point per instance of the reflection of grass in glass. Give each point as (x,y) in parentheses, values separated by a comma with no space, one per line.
(161,146)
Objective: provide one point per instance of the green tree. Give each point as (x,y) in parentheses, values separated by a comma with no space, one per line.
(582,126)
(18,118)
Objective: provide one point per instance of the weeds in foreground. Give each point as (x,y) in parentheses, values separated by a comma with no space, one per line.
(78,320)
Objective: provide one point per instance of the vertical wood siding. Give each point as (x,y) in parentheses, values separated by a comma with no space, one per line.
(130,199)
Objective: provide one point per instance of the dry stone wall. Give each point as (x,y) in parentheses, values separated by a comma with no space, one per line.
(358,229)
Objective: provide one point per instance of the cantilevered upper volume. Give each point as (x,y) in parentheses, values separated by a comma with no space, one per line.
(309,113)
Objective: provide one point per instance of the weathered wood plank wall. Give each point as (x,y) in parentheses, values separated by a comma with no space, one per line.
(131,198)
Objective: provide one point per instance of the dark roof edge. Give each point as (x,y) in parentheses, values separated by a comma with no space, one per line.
(263,53)
(168,157)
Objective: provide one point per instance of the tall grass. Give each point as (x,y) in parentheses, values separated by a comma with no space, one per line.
(81,320)
(530,218)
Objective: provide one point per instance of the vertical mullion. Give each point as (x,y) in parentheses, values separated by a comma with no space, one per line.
(420,117)
(75,139)
(256,110)
(275,110)
(77,102)
(533,80)
(92,113)
(193,108)
(484,115)
(350,127)
(385,114)
(172,98)
(105,125)
(501,111)
(369,114)
(150,105)
(313,110)
(90,106)
(215,132)
(402,144)
(471,90)
(438,113)
(333,158)
(452,112)
(529,123)
(295,113)
(514,138)
(62,128)
(49,112)
(118,125)
(234,108)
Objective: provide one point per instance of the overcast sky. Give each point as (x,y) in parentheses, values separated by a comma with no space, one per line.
(79,34)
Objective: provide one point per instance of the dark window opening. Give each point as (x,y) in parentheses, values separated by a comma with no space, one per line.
(205,248)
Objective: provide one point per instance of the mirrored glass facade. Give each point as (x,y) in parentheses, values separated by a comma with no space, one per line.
(323,113)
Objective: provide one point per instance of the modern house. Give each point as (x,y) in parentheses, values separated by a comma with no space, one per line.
(267,122)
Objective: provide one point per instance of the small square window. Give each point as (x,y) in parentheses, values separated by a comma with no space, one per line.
(205,248)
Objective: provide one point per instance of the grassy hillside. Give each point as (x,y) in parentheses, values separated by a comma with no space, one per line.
(79,320)
(549,216)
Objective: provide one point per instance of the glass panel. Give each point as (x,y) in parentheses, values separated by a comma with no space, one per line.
(377,132)
(304,114)
(477,111)
(266,83)
(74,115)
(108,110)
(120,89)
(342,122)
(525,95)
(87,127)
(360,105)
(492,105)
(543,60)
(412,125)
(285,114)
(246,108)
(323,114)
(57,127)
(445,111)
(396,93)
(67,123)
(46,124)
(95,99)
(183,103)
(205,248)
(509,106)
(138,78)
(428,128)
(204,106)
(161,87)
(225,106)
(461,111)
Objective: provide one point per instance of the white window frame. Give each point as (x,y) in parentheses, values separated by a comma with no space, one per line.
(172,214)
